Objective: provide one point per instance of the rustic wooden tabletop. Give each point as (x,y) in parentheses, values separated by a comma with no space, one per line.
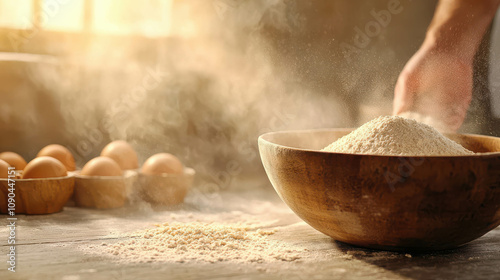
(49,246)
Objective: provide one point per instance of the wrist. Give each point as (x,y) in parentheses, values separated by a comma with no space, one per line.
(462,51)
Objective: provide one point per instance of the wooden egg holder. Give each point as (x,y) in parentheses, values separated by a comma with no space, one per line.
(37,196)
(49,195)
(166,189)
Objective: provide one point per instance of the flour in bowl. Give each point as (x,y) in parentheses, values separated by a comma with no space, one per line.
(397,136)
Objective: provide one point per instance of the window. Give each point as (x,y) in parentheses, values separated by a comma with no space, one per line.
(16,14)
(150,18)
(44,23)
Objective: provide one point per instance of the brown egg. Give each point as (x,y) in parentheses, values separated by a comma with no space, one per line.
(161,164)
(44,167)
(60,153)
(101,166)
(14,160)
(121,152)
(4,169)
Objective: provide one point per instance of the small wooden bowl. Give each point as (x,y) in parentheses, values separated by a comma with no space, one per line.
(37,196)
(166,189)
(387,202)
(104,192)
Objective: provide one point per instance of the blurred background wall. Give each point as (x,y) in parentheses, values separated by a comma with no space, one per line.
(199,79)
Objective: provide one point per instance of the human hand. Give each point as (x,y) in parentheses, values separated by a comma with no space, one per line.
(435,87)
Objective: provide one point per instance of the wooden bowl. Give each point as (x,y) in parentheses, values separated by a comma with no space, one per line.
(386,202)
(37,196)
(104,192)
(166,189)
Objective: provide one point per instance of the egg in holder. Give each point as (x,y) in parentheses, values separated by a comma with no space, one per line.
(163,180)
(43,187)
(102,184)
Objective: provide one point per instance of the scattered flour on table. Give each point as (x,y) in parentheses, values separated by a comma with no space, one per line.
(397,136)
(200,241)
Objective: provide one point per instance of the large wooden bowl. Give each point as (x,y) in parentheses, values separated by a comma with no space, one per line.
(386,202)
(37,196)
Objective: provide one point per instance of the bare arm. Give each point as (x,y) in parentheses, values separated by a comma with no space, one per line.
(459,25)
(436,83)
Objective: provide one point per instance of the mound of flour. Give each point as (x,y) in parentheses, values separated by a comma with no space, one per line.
(397,136)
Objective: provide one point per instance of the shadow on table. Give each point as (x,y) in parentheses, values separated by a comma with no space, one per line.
(479,259)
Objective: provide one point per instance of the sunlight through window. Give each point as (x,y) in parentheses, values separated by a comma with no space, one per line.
(16,14)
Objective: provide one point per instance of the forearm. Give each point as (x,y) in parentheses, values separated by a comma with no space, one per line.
(459,25)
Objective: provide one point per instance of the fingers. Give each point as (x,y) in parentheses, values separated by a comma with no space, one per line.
(404,94)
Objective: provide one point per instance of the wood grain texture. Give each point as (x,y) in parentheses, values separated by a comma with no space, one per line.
(166,189)
(48,248)
(103,192)
(37,196)
(386,202)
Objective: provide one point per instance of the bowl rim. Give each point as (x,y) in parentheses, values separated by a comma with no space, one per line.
(39,179)
(262,138)
(188,171)
(129,173)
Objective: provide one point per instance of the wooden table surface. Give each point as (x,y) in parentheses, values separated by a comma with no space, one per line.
(48,246)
